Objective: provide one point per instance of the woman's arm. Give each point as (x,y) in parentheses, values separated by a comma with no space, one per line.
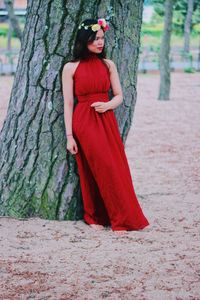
(116,87)
(67,86)
(100,106)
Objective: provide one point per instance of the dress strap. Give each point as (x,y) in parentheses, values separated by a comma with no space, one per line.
(78,66)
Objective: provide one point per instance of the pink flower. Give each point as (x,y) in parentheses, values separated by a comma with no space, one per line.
(102,22)
(106,27)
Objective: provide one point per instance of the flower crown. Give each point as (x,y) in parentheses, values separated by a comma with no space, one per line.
(95,27)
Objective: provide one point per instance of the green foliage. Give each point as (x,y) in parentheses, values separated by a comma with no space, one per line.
(197,29)
(179,13)
(151,37)
(189,70)
(196,20)
(151,29)
(4,30)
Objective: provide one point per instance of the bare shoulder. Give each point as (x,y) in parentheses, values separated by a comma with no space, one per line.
(70,67)
(110,63)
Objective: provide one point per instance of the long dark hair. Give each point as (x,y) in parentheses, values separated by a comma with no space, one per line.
(83,37)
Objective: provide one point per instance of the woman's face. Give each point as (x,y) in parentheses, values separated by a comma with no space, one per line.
(97,45)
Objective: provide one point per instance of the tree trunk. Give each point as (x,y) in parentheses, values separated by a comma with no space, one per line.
(164,60)
(13,19)
(38,176)
(9,37)
(187,25)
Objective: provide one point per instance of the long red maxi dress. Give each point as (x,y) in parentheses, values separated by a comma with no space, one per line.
(107,190)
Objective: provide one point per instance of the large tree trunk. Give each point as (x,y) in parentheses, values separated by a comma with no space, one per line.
(187,25)
(164,60)
(12,18)
(38,176)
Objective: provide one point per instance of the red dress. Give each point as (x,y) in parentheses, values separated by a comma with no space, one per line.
(106,185)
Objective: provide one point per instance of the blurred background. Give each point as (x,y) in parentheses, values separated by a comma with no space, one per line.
(9,41)
(151,34)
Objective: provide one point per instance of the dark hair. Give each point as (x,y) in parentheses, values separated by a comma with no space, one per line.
(83,37)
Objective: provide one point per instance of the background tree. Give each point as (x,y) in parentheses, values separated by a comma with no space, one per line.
(38,176)
(164,61)
(12,18)
(179,13)
(187,26)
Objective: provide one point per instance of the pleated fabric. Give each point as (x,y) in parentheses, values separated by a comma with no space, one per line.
(107,189)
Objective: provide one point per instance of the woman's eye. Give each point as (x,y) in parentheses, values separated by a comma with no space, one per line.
(97,38)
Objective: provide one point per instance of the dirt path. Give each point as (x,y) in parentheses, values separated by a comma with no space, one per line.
(43,259)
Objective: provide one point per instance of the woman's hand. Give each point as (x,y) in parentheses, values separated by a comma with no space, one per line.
(100,106)
(71,145)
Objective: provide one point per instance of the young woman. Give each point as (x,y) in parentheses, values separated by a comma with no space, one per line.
(93,134)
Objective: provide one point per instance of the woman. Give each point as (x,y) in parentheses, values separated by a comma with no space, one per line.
(93,135)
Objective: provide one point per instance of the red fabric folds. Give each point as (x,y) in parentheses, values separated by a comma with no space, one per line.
(106,184)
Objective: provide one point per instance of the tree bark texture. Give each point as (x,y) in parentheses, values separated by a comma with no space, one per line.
(164,60)
(38,177)
(12,18)
(187,25)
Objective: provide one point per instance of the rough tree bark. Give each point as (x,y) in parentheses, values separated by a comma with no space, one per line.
(12,18)
(187,25)
(164,61)
(38,176)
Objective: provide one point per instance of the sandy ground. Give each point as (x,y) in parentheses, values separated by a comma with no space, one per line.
(43,259)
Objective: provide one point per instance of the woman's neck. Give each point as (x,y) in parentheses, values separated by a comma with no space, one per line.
(92,54)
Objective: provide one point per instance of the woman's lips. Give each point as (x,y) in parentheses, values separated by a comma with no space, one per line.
(100,48)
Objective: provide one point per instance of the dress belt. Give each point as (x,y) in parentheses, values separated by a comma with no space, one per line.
(93,97)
